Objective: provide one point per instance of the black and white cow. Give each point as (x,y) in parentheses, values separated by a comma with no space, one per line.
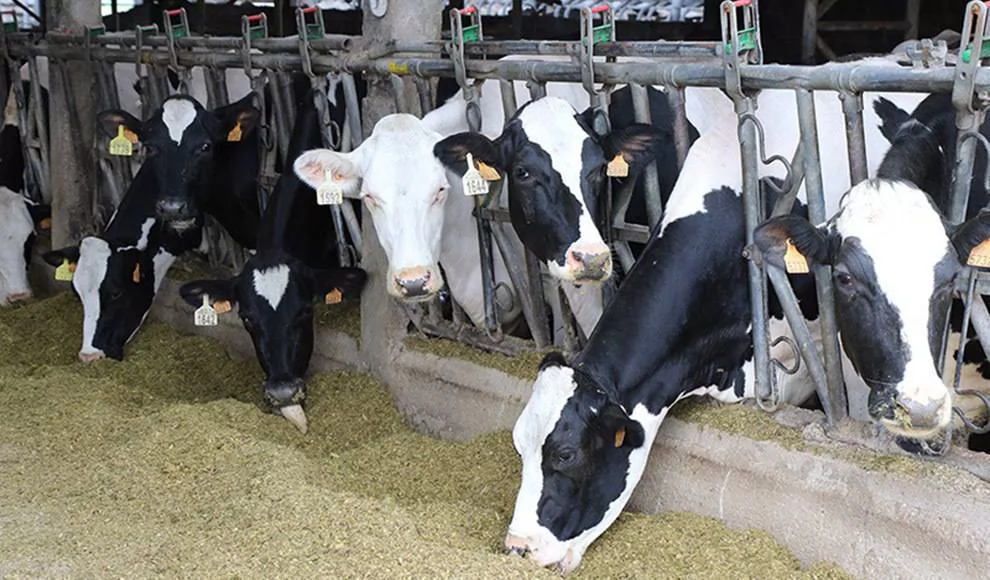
(679,326)
(118,273)
(296,263)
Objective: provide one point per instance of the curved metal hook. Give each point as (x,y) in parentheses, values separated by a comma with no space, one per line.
(794,350)
(986,149)
(760,135)
(966,421)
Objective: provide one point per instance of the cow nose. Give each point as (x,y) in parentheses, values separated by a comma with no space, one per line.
(516,546)
(594,263)
(912,412)
(18,297)
(173,208)
(88,357)
(279,394)
(414,282)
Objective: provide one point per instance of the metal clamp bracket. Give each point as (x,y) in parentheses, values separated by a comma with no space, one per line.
(173,31)
(740,46)
(590,36)
(977,42)
(459,36)
(253,27)
(9,25)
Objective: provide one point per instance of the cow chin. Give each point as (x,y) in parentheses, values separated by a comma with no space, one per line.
(583,264)
(562,557)
(415,284)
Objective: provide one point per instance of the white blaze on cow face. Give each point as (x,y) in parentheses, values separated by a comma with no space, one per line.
(16,227)
(549,123)
(404,187)
(94,256)
(178,114)
(271,283)
(897,228)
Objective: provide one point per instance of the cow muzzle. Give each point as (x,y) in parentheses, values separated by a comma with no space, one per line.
(911,412)
(561,558)
(416,284)
(588,263)
(91,356)
(286,398)
(174,210)
(19,297)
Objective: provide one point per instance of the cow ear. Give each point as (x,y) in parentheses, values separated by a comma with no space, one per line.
(638,144)
(56,257)
(241,114)
(336,284)
(777,236)
(968,239)
(217,290)
(114,118)
(452,152)
(552,359)
(619,429)
(312,167)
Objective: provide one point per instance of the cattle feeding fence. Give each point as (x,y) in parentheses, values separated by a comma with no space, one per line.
(733,64)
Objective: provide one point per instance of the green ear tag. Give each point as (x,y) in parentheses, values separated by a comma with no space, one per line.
(121,145)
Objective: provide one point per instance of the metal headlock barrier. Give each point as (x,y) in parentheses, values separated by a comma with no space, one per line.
(734,64)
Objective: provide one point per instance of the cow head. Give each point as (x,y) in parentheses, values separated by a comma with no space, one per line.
(582,455)
(179,140)
(404,188)
(274,296)
(116,285)
(894,265)
(16,235)
(556,170)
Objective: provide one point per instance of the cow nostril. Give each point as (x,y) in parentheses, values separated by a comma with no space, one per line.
(517,551)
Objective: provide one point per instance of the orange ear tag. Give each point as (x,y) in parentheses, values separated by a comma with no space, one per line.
(131,136)
(235,134)
(617,167)
(222,306)
(620,436)
(794,261)
(333,297)
(136,276)
(487,172)
(45,224)
(979,256)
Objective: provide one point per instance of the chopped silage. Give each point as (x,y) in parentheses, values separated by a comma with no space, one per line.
(163,465)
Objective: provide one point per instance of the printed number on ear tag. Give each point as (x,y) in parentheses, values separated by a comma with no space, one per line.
(205,315)
(64,272)
(979,256)
(472,182)
(794,261)
(617,167)
(121,145)
(330,192)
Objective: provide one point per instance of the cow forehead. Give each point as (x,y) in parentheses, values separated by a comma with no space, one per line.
(94,258)
(178,115)
(550,123)
(554,386)
(271,283)
(400,157)
(15,219)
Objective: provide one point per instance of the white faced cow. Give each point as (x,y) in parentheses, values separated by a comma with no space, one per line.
(16,234)
(679,326)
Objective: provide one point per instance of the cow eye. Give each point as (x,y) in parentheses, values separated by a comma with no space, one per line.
(844,279)
(520,172)
(565,457)
(371,200)
(205,147)
(116,295)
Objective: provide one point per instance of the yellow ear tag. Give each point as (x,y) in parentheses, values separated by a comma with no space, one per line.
(235,134)
(333,297)
(222,306)
(794,261)
(487,172)
(330,192)
(64,272)
(205,315)
(472,182)
(136,275)
(45,224)
(979,256)
(121,145)
(620,436)
(617,167)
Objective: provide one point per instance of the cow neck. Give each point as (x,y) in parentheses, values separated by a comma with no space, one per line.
(678,322)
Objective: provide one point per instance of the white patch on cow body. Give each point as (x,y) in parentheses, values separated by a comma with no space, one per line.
(178,114)
(146,226)
(16,226)
(271,283)
(902,233)
(91,270)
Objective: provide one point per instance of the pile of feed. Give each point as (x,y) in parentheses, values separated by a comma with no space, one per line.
(163,466)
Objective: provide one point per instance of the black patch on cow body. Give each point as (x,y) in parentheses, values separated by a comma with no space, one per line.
(123,302)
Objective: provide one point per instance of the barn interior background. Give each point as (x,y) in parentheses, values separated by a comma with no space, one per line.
(790,32)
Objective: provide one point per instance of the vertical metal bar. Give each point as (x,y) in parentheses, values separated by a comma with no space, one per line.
(836,394)
(809,32)
(353,109)
(531,308)
(281,106)
(650,177)
(40,129)
(682,137)
(852,111)
(968,118)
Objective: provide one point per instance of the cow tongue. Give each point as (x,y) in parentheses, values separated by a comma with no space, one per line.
(295,415)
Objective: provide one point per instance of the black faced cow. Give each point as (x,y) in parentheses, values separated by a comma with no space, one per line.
(296,263)
(678,326)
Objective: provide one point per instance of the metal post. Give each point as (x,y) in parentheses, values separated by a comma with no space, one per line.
(651,177)
(834,399)
(852,110)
